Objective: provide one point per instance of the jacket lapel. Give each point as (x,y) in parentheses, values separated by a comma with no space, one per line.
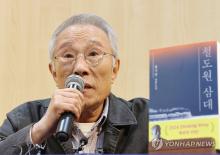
(111,136)
(119,117)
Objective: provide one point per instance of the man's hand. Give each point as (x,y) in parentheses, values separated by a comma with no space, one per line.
(63,100)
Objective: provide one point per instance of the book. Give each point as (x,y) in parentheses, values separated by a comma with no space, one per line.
(184,96)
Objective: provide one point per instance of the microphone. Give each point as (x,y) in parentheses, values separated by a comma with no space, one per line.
(64,128)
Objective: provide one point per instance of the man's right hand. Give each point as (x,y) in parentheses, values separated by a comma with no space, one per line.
(63,100)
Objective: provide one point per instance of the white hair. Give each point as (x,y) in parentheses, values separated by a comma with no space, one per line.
(85,19)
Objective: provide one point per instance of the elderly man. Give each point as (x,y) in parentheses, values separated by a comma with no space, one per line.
(83,46)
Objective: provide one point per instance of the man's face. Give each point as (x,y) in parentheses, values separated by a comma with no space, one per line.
(78,39)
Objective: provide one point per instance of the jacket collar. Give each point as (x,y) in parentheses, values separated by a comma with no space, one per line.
(119,112)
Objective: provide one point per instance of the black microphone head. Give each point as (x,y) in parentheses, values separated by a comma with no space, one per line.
(74,81)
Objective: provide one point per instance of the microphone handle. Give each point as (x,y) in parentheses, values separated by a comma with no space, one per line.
(64,128)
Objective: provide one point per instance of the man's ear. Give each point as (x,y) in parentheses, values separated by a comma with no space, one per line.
(53,71)
(115,69)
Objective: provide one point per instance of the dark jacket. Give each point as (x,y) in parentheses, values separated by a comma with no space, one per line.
(125,130)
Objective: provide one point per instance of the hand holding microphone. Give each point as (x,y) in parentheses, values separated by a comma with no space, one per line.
(66,105)
(64,127)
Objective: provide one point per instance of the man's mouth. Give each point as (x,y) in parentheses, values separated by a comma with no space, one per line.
(87,86)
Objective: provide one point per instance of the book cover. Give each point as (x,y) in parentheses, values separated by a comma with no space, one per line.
(184,94)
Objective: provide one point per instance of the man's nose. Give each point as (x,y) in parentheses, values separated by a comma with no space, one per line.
(80,66)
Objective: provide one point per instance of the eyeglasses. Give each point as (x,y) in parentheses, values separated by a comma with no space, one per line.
(92,57)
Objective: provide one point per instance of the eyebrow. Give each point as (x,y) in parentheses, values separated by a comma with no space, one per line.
(95,42)
(63,45)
